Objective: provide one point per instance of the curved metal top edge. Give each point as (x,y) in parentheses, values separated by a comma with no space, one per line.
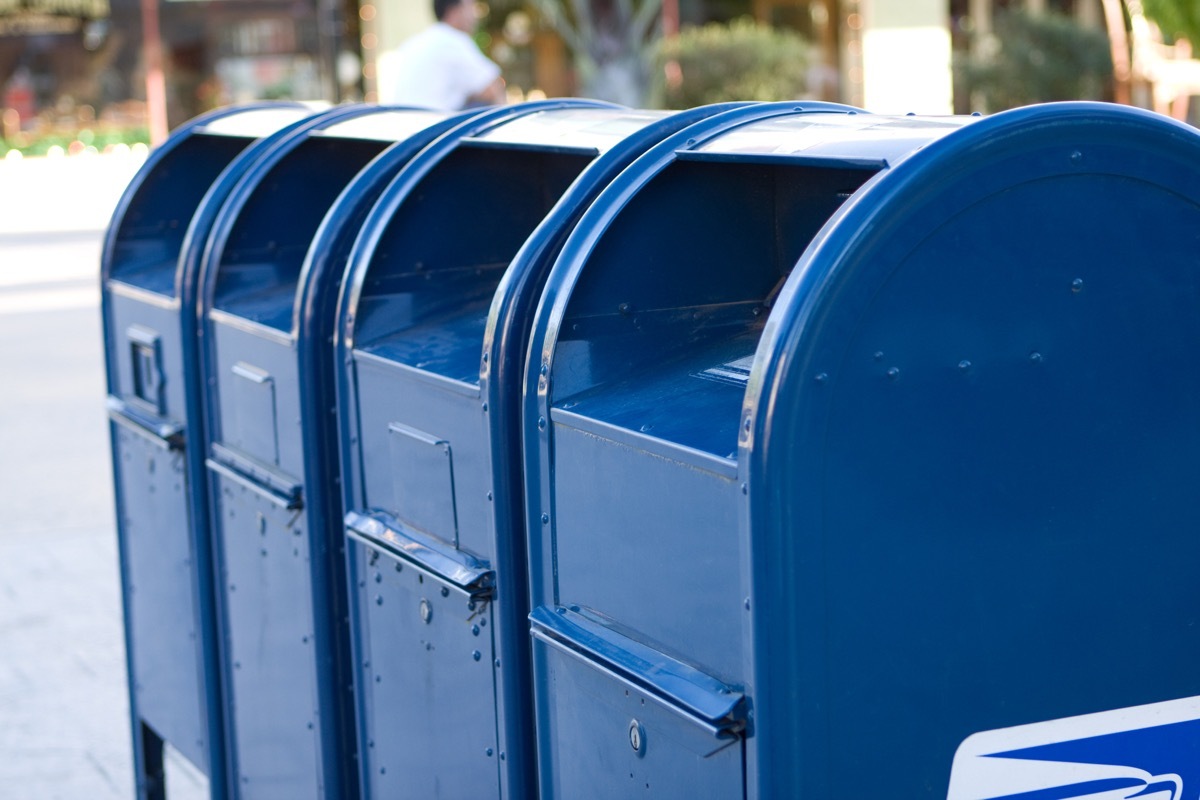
(997,137)
(277,148)
(158,155)
(361,256)
(594,224)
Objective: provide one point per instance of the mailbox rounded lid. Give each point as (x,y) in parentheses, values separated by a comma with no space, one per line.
(588,128)
(570,127)
(278,205)
(143,242)
(848,136)
(970,438)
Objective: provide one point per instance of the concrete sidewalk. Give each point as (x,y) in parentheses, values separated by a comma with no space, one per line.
(64,724)
(64,193)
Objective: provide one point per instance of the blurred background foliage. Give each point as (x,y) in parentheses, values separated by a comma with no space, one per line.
(1036,58)
(740,60)
(1176,18)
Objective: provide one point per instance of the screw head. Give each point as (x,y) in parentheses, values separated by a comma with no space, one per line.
(426,611)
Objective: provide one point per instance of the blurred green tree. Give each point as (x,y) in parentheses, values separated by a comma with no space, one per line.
(1176,18)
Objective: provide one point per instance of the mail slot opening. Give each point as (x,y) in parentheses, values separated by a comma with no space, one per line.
(676,294)
(150,235)
(266,248)
(435,270)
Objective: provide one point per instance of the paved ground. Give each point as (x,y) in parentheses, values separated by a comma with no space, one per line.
(64,726)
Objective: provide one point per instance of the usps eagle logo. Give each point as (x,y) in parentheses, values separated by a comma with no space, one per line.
(1149,752)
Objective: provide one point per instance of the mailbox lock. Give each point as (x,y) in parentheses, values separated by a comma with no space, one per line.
(426,611)
(637,737)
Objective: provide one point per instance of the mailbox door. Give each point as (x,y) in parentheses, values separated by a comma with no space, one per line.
(603,736)
(428,689)
(269,636)
(151,478)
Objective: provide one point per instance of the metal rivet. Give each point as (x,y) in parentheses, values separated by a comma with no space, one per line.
(894,373)
(475,632)
(496,663)
(485,408)
(489,497)
(746,603)
(379,577)
(1077,158)
(545,370)
(545,519)
(821,377)
(445,592)
(1077,285)
(378,599)
(1036,357)
(879,355)
(426,611)
(745,489)
(485,358)
(964,365)
(475,654)
(489,752)
(746,425)
(637,737)
(541,423)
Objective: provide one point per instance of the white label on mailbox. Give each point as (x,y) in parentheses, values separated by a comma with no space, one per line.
(1150,752)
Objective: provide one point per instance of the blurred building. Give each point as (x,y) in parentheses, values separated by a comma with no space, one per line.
(89,62)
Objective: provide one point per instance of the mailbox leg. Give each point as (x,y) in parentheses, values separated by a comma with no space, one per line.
(151,778)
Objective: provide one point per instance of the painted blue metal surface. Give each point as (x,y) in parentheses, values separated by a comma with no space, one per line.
(270,281)
(907,491)
(632,504)
(986,501)
(148,286)
(435,316)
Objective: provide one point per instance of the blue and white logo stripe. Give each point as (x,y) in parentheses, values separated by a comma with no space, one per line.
(1149,752)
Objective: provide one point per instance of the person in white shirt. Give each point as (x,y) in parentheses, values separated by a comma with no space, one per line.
(442,67)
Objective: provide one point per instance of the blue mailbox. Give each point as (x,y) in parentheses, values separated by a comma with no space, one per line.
(434,321)
(802,531)
(149,273)
(270,283)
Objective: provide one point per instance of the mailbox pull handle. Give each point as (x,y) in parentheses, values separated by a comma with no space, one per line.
(132,416)
(714,705)
(424,552)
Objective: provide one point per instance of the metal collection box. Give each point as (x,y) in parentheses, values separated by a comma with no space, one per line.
(846,437)
(271,277)
(564,450)
(442,284)
(149,274)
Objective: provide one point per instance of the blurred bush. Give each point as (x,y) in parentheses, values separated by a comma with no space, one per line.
(41,143)
(1036,58)
(741,60)
(1176,18)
